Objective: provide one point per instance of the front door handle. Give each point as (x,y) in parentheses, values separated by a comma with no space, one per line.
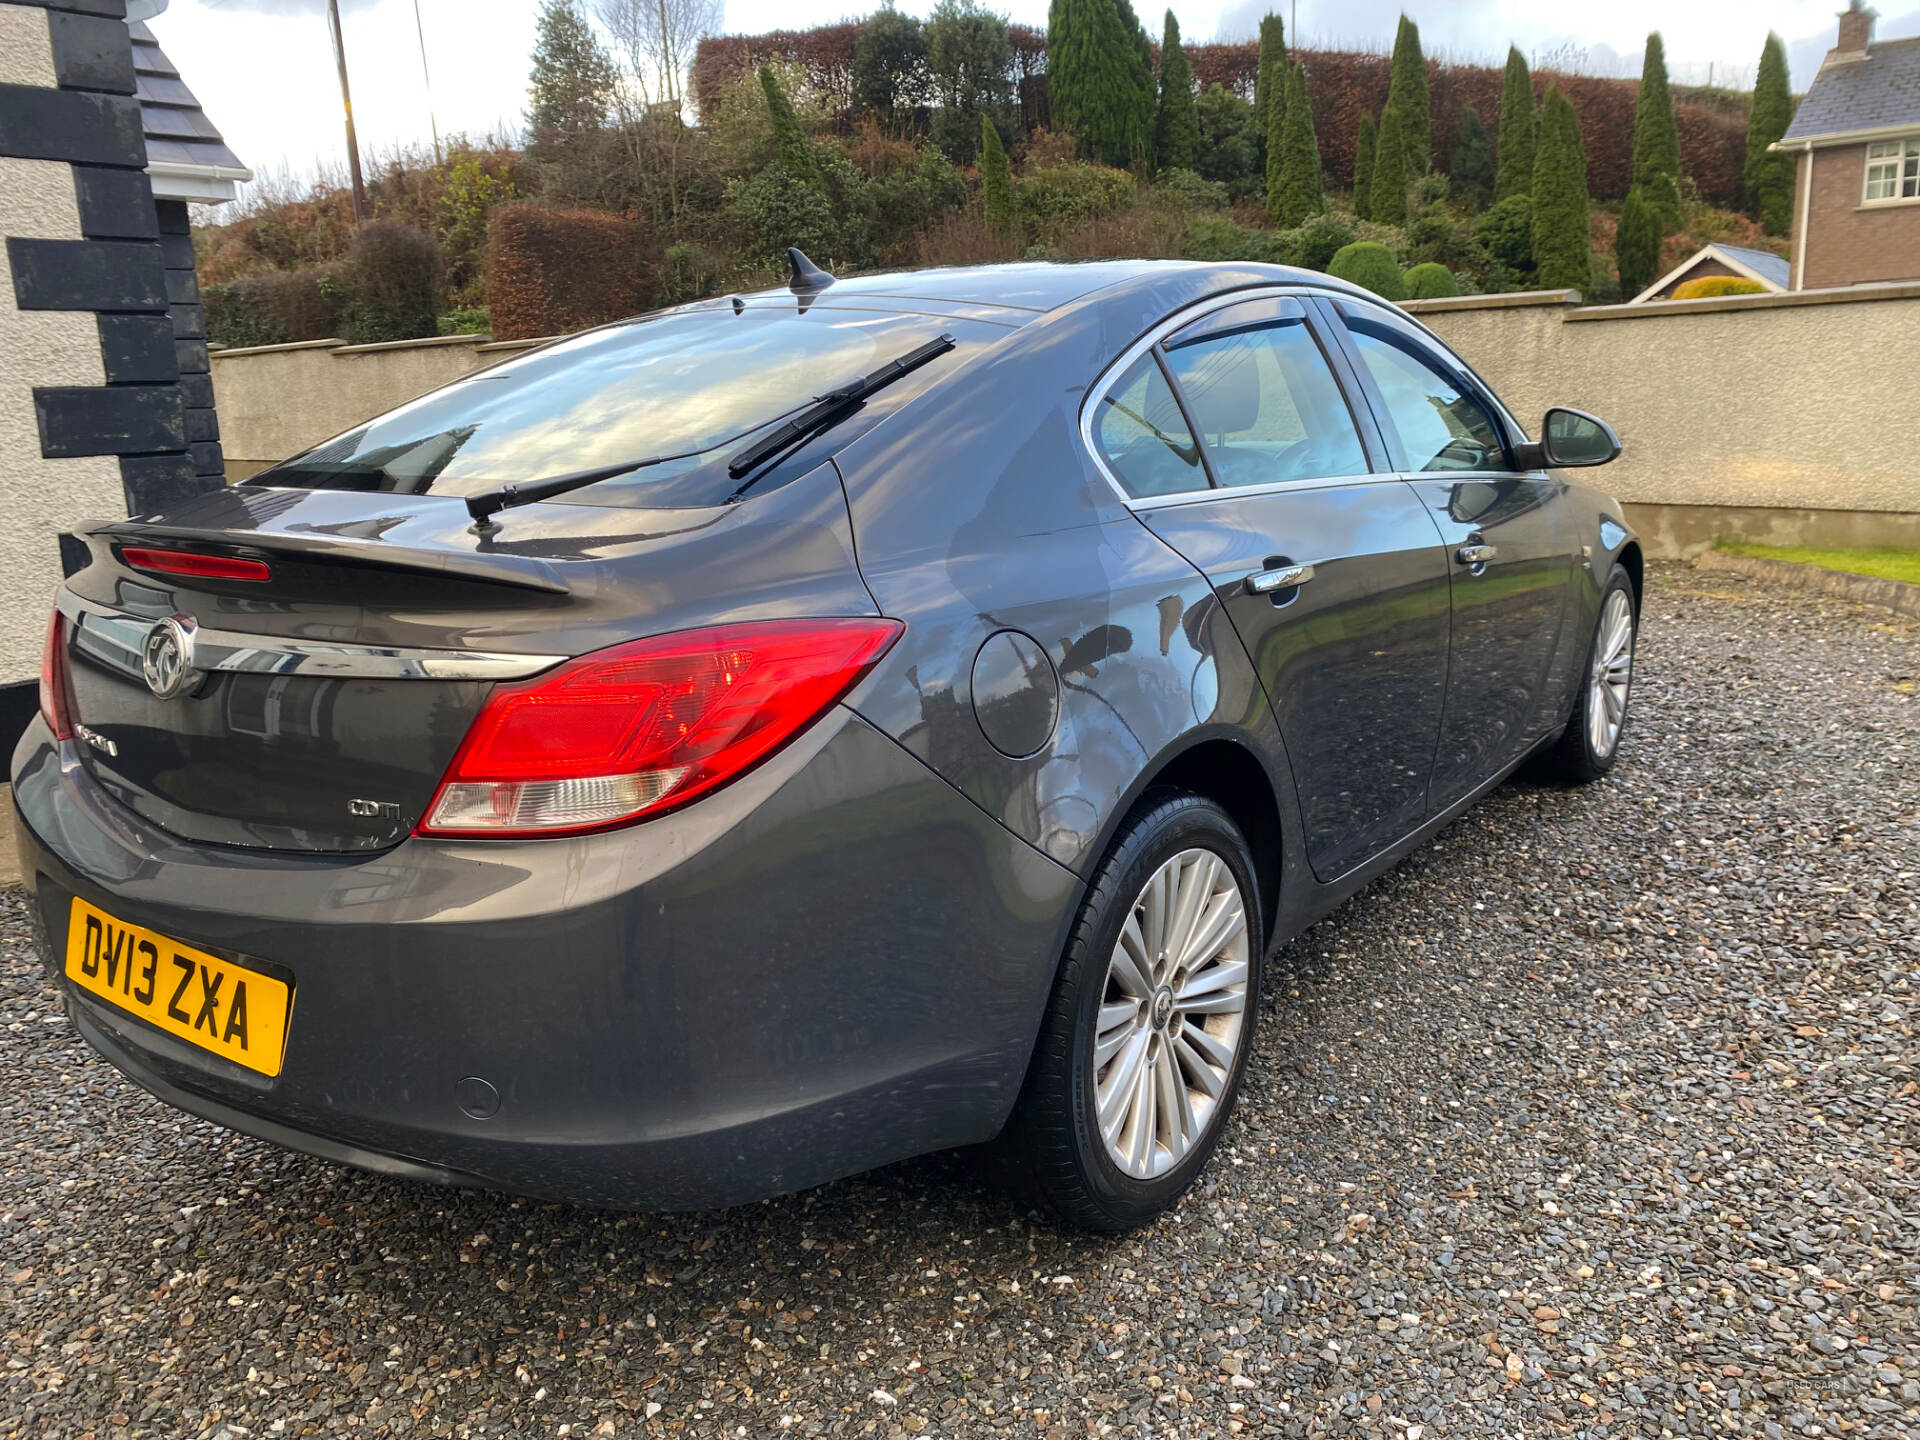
(1284,577)
(1477,554)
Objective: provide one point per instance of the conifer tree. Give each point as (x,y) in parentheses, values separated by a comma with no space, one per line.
(1176,128)
(1098,85)
(1636,245)
(1471,168)
(573,81)
(1562,246)
(1363,151)
(1656,138)
(996,181)
(1519,129)
(1270,81)
(1294,186)
(1387,185)
(790,140)
(1407,93)
(1769,175)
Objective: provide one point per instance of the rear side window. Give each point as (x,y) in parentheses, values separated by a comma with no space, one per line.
(1442,424)
(1143,437)
(1263,397)
(691,384)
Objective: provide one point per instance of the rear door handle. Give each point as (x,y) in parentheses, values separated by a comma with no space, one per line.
(1476,554)
(1285,577)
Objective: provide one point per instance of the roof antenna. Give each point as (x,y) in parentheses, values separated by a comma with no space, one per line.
(806,275)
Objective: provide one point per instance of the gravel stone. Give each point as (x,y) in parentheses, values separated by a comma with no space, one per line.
(1598,1117)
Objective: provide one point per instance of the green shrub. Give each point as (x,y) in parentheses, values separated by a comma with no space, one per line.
(277,308)
(1562,240)
(1705,287)
(1429,281)
(778,208)
(1215,237)
(1185,191)
(1506,232)
(1636,244)
(1387,184)
(996,182)
(1320,239)
(1370,266)
(390,284)
(1229,142)
(469,320)
(688,272)
(1055,199)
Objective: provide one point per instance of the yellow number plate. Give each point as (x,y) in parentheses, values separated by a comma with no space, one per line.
(238,1014)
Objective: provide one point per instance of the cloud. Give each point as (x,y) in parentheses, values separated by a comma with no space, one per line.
(286,7)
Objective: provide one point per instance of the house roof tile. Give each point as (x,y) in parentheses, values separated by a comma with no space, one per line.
(1880,92)
(178,130)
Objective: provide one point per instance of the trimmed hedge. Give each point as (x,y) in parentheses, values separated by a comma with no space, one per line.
(390,284)
(1370,266)
(1706,287)
(1431,281)
(556,271)
(278,308)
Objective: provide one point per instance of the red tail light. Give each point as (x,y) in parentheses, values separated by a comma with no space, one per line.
(200,567)
(625,733)
(53,680)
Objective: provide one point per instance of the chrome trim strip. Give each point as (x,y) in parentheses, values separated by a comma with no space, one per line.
(1275,487)
(115,638)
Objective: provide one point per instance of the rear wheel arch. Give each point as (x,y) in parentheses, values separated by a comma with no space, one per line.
(1232,776)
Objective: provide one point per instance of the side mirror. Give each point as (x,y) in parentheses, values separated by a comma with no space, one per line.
(1573,437)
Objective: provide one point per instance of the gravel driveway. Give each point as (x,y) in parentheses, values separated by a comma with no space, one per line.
(1598,1117)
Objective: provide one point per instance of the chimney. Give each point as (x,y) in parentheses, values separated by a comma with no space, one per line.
(1856,29)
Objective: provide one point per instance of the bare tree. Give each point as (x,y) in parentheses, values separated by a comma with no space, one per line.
(656,38)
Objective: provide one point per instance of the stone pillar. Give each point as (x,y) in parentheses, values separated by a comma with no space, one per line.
(99,316)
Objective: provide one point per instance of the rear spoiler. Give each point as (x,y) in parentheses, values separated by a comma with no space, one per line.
(523,572)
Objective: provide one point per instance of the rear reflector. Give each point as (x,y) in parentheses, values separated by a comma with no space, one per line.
(200,567)
(53,680)
(629,732)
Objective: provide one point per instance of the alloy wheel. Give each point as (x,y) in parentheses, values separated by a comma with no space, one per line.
(1612,674)
(1172,1014)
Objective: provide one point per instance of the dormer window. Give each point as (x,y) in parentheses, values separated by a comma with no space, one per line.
(1893,170)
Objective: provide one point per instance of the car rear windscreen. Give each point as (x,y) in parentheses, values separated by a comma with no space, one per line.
(693,384)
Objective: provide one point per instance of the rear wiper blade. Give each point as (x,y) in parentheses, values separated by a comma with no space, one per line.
(831,408)
(502,497)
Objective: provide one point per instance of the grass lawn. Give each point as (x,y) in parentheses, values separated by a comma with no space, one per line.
(1887,564)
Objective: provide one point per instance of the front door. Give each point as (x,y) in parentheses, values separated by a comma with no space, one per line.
(1332,574)
(1508,545)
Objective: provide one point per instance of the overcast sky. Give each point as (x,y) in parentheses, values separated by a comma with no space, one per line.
(264,69)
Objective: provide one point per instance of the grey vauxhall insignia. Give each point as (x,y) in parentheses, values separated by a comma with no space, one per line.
(738,747)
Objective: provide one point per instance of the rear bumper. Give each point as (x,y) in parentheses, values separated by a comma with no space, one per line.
(835,962)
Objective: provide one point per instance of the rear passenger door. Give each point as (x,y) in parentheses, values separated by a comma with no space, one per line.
(1236,445)
(1508,541)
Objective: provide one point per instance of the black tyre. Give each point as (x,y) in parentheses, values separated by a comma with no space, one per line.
(1151,1019)
(1590,744)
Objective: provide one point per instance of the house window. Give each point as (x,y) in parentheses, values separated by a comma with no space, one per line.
(1893,169)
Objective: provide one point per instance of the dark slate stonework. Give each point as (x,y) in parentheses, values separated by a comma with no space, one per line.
(109,419)
(91,52)
(134,270)
(116,205)
(153,482)
(138,349)
(73,125)
(87,275)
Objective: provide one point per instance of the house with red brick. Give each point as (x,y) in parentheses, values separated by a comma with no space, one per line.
(1856,203)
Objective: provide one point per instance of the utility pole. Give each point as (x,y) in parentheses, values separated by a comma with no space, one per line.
(427,78)
(346,103)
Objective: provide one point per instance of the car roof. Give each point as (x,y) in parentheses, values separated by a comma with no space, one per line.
(1027,289)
